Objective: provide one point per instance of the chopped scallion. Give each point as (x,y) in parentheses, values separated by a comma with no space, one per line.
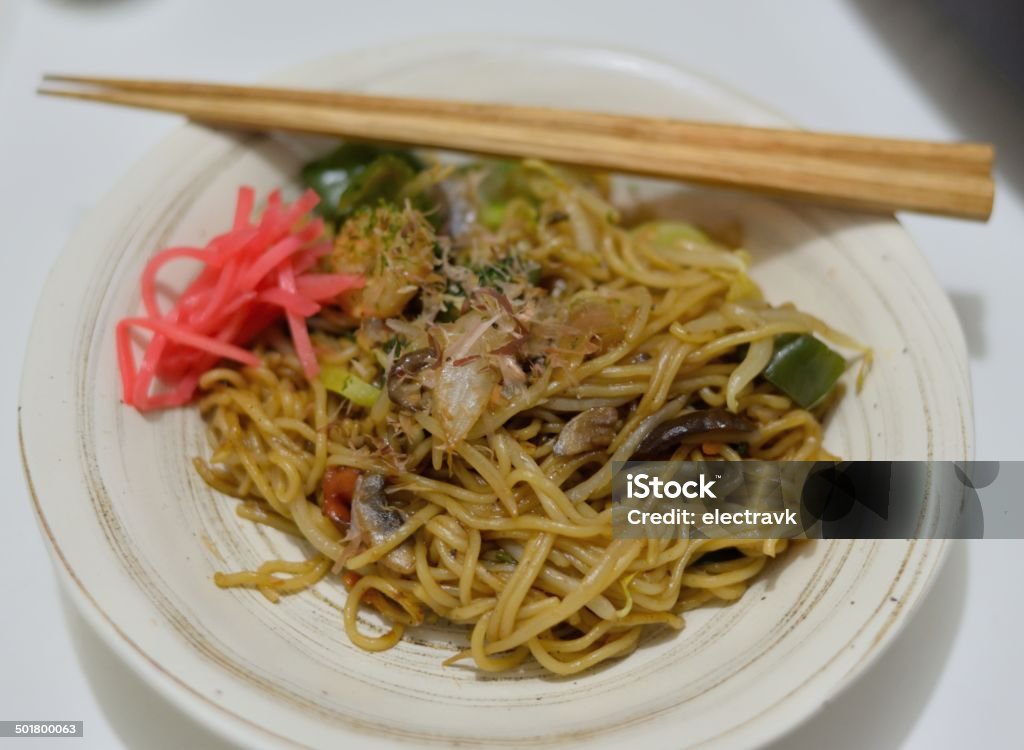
(345,384)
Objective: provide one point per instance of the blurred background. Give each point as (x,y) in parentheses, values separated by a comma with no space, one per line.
(945,69)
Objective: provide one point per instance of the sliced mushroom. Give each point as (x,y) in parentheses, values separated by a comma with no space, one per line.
(377,522)
(404,386)
(695,427)
(587,431)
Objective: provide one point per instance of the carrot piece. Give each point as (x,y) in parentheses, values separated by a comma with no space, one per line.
(350,578)
(339,485)
(711,448)
(372,597)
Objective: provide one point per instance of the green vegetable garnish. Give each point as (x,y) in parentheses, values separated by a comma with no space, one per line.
(502,557)
(504,182)
(449,313)
(507,269)
(493,214)
(355,175)
(355,389)
(803,368)
(395,345)
(381,180)
(453,305)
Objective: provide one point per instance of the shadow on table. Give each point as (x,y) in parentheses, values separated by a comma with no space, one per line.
(970,308)
(137,713)
(879,708)
(982,103)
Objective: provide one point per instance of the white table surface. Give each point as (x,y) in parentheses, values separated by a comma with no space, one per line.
(886,66)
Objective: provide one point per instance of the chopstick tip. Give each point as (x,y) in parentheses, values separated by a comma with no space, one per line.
(58,78)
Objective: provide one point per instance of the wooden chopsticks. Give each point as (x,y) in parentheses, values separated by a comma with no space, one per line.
(877,174)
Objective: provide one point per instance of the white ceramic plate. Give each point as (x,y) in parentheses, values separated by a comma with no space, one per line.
(137,536)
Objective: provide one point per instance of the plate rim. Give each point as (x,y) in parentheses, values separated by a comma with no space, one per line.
(234,727)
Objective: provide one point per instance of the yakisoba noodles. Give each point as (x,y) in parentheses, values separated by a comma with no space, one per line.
(453,459)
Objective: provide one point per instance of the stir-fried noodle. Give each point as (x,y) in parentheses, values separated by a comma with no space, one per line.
(500,357)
